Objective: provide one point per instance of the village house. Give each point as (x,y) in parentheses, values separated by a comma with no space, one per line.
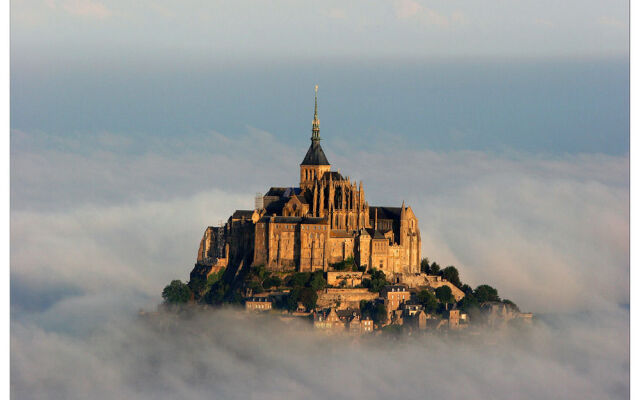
(258,304)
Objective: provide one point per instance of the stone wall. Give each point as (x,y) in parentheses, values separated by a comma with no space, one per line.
(428,281)
(347,298)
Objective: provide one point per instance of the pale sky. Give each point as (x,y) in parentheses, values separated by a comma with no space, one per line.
(225,30)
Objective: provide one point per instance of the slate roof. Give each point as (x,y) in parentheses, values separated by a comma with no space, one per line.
(239,214)
(276,191)
(335,175)
(275,207)
(386,212)
(340,233)
(294,220)
(375,234)
(314,220)
(302,199)
(315,155)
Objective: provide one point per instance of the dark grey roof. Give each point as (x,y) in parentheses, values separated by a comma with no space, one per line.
(314,220)
(275,207)
(385,212)
(276,191)
(302,199)
(278,219)
(239,214)
(375,234)
(287,220)
(335,176)
(291,191)
(315,155)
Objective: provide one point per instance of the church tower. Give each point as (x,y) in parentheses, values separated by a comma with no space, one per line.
(315,163)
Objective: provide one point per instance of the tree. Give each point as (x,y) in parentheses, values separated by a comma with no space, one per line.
(486,293)
(468,302)
(272,281)
(511,304)
(377,282)
(217,293)
(299,279)
(443,293)
(176,292)
(428,301)
(435,268)
(317,281)
(255,287)
(197,285)
(308,297)
(374,310)
(466,289)
(451,274)
(215,277)
(424,265)
(294,296)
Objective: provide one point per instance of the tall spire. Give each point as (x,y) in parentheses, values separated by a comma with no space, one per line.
(315,130)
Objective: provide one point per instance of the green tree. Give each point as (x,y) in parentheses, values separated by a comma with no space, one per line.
(468,302)
(466,289)
(299,279)
(294,296)
(308,297)
(424,265)
(255,287)
(272,281)
(215,277)
(443,293)
(374,310)
(377,282)
(260,272)
(176,292)
(486,293)
(317,281)
(511,304)
(451,274)
(197,285)
(217,293)
(435,268)
(428,301)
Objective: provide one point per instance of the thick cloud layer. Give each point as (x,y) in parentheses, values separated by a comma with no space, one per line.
(230,355)
(99,224)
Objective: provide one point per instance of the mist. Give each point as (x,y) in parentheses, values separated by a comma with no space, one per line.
(232,355)
(98,228)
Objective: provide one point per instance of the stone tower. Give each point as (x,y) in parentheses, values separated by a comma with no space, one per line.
(315,163)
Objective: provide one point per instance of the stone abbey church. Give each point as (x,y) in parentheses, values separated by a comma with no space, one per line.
(326,219)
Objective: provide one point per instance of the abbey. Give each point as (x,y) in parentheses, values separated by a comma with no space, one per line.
(325,220)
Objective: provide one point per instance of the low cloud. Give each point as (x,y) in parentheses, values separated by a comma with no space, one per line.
(100,223)
(223,354)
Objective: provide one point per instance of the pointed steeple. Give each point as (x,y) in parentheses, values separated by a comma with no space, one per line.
(315,125)
(315,154)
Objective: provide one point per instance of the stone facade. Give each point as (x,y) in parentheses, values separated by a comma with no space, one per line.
(422,280)
(326,219)
(344,298)
(344,278)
